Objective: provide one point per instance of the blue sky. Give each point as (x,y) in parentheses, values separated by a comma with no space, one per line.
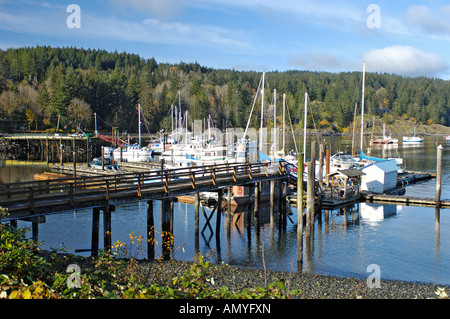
(401,37)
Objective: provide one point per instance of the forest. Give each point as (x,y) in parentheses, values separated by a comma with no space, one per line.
(42,88)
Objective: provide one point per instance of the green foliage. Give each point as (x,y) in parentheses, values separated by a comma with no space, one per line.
(26,273)
(113,83)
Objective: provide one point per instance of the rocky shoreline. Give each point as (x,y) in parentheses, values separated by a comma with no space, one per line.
(312,286)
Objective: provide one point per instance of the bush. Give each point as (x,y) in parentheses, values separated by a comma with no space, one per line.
(28,273)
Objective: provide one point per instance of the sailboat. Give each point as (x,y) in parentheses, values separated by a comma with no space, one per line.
(412,139)
(134,152)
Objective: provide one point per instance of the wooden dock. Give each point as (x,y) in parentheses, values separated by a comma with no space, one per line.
(403,200)
(54,195)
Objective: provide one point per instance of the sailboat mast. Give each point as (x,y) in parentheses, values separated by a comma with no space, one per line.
(262,112)
(284,117)
(362,104)
(171,111)
(139,121)
(304,130)
(275,142)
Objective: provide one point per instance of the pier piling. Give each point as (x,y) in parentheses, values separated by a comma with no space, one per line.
(95,230)
(439,174)
(300,213)
(150,231)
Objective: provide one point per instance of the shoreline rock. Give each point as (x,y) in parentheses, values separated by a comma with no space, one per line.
(313,286)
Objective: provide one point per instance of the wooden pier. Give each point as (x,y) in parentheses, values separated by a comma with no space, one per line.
(32,201)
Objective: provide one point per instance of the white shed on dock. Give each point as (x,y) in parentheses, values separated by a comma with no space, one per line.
(379,176)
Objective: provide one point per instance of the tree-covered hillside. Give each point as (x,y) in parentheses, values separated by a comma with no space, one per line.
(41,84)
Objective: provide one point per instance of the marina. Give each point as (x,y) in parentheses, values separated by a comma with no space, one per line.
(239,230)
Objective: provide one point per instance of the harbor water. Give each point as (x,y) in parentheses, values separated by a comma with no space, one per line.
(404,241)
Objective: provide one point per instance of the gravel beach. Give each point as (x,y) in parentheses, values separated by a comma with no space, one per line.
(312,286)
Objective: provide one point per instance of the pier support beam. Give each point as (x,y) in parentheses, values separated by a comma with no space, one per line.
(95,230)
(310,199)
(107,226)
(439,174)
(272,201)
(197,221)
(167,236)
(150,231)
(219,212)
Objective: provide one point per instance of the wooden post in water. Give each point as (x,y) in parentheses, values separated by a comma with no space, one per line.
(75,168)
(46,150)
(87,150)
(300,212)
(35,231)
(61,156)
(165,228)
(251,193)
(321,159)
(327,167)
(229,201)
(272,201)
(310,199)
(284,204)
(256,209)
(150,231)
(219,213)
(107,226)
(197,218)
(95,230)
(103,158)
(439,175)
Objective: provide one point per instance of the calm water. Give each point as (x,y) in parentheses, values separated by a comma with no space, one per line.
(405,243)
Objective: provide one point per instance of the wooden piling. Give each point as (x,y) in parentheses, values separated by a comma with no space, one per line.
(300,212)
(272,201)
(150,231)
(257,204)
(95,230)
(197,220)
(327,166)
(35,231)
(321,159)
(250,205)
(439,174)
(165,228)
(218,212)
(310,199)
(107,226)
(229,201)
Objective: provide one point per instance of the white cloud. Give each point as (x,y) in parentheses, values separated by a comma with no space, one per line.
(425,20)
(405,60)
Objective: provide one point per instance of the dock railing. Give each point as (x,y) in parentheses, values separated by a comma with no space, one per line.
(70,192)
